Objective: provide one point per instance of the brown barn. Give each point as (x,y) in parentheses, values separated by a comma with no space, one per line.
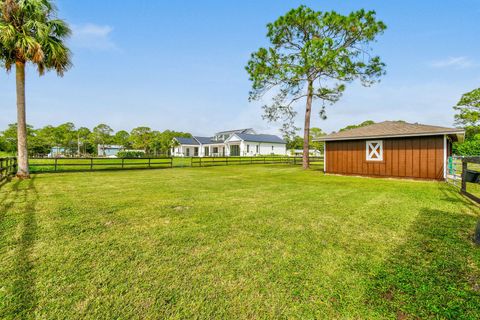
(391,149)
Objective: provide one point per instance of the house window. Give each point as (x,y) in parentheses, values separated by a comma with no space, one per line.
(248,148)
(195,152)
(215,150)
(257,147)
(374,150)
(272,148)
(187,150)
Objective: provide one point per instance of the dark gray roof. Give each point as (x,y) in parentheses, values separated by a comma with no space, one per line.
(234,131)
(208,140)
(191,141)
(270,138)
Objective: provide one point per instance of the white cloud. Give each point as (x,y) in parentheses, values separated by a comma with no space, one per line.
(454,62)
(93,36)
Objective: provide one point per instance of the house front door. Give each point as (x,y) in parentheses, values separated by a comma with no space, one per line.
(234,150)
(206,152)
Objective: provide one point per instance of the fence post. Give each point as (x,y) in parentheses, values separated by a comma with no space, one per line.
(55,165)
(149,159)
(200,161)
(464,175)
(171,162)
(226,161)
(91,163)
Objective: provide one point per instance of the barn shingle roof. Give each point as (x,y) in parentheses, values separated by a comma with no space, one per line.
(392,129)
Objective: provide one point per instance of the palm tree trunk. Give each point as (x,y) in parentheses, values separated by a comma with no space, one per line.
(22,171)
(306,130)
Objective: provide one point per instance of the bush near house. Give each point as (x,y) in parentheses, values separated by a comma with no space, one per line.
(131,154)
(468,148)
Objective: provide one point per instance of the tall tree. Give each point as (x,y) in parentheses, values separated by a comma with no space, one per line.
(122,138)
(468,113)
(10,136)
(66,137)
(315,134)
(312,55)
(30,32)
(83,136)
(141,138)
(101,134)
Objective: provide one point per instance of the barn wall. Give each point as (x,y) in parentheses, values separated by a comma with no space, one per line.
(418,157)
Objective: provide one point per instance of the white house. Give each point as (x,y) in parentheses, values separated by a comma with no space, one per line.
(243,142)
(108,150)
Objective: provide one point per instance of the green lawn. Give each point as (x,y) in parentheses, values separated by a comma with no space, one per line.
(4,154)
(242,242)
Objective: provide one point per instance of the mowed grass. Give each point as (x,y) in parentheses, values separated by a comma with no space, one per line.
(235,242)
(4,154)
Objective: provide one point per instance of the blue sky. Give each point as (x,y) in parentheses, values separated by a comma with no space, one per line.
(180,65)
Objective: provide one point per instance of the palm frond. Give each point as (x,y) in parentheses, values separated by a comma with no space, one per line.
(31,32)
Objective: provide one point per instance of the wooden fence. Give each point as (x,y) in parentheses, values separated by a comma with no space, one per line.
(38,165)
(8,167)
(470,173)
(226,161)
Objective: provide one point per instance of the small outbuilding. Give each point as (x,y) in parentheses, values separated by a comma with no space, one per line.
(391,149)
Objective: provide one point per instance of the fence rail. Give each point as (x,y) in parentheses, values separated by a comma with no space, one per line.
(8,167)
(471,178)
(38,165)
(225,161)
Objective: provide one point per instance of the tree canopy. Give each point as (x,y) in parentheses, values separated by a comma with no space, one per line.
(353,126)
(83,141)
(312,55)
(31,32)
(468,113)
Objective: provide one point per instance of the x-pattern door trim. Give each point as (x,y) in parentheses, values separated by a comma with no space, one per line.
(374,150)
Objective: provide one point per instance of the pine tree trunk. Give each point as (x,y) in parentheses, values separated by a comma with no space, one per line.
(22,171)
(306,130)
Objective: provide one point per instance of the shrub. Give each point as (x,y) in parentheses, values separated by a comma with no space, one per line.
(131,154)
(468,148)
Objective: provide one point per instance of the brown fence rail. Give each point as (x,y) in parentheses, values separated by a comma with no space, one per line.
(8,167)
(38,165)
(226,161)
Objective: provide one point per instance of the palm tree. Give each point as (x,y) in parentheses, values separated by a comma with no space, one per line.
(31,32)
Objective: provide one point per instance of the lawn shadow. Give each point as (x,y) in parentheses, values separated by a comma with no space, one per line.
(23,286)
(435,273)
(7,200)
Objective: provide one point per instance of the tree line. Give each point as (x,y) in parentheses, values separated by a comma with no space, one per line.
(468,117)
(83,141)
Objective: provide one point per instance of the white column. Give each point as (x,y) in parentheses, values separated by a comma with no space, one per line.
(325,156)
(445,155)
